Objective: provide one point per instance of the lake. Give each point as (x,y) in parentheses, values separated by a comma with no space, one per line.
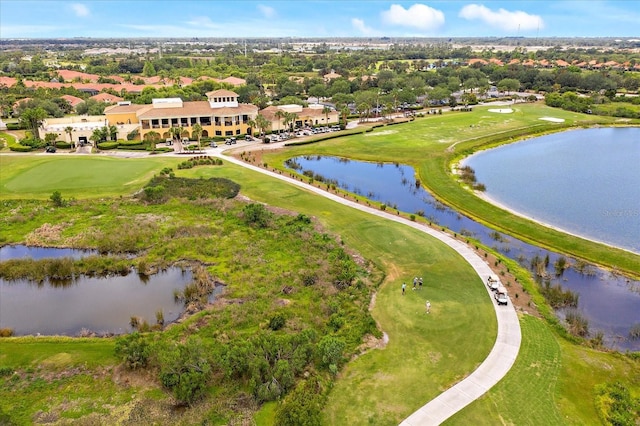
(586,182)
(610,302)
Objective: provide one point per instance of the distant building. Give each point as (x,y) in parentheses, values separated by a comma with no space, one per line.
(107,98)
(309,116)
(74,101)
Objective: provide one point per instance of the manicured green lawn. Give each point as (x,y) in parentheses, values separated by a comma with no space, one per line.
(38,176)
(525,395)
(429,144)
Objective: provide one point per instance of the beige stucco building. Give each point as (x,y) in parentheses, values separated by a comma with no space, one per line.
(220,115)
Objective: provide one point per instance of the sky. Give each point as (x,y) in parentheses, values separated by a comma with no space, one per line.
(319,18)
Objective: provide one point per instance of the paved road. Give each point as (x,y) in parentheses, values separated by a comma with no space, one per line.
(507,344)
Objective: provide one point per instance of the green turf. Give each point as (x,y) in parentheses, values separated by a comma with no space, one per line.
(531,383)
(38,176)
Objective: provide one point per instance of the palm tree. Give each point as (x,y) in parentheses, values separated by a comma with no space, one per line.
(290,119)
(251,123)
(262,123)
(280,114)
(326,110)
(345,113)
(111,132)
(152,137)
(196,132)
(69,131)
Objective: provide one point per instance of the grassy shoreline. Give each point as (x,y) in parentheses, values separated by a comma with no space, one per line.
(433,158)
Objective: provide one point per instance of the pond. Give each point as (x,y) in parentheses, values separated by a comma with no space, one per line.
(102,305)
(610,302)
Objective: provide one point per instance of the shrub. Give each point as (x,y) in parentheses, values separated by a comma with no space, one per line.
(185,370)
(63,145)
(256,215)
(20,148)
(277,322)
(616,405)
(133,349)
(108,145)
(14,126)
(330,350)
(302,407)
(57,199)
(6,332)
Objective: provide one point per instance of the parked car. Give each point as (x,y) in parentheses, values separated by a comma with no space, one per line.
(248,138)
(50,149)
(493,282)
(213,145)
(501,297)
(230,141)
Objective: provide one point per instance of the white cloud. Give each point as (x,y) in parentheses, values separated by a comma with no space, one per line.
(267,11)
(80,10)
(418,16)
(502,19)
(359,25)
(202,22)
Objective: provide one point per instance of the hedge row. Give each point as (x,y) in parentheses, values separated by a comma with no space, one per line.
(107,145)
(20,148)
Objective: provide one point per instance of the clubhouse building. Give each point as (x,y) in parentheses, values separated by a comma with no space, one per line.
(221,115)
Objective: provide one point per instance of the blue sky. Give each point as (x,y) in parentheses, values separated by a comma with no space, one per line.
(333,18)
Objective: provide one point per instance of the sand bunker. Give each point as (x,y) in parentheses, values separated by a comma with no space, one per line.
(553,119)
(501,110)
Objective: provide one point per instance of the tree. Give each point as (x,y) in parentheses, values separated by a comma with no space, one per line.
(69,131)
(508,85)
(262,123)
(50,138)
(148,70)
(280,114)
(112,132)
(57,199)
(196,132)
(326,110)
(152,137)
(290,119)
(344,112)
(32,119)
(185,370)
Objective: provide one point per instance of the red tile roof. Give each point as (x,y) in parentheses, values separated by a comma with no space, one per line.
(107,98)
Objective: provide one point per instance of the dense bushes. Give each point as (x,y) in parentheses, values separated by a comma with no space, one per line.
(20,148)
(134,350)
(203,160)
(616,406)
(171,187)
(107,145)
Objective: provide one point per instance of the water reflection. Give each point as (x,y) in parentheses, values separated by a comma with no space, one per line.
(102,305)
(605,299)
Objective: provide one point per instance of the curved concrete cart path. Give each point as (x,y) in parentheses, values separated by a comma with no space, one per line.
(505,349)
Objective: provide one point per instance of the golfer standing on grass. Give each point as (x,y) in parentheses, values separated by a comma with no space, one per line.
(428,305)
